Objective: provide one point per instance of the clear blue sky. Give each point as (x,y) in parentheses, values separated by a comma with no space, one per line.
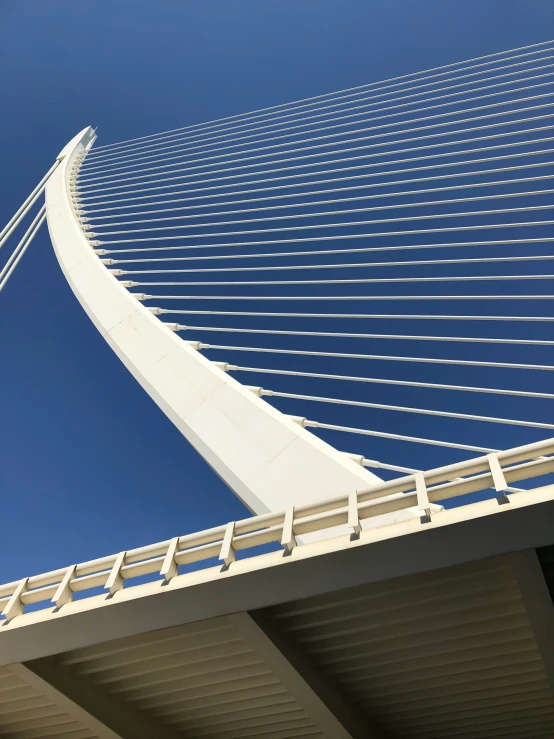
(88,464)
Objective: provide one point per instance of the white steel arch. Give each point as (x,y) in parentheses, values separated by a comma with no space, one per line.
(268,459)
(256,232)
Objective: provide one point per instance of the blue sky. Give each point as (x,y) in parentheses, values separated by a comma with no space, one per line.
(88,464)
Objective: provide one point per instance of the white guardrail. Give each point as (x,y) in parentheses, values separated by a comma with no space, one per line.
(496,471)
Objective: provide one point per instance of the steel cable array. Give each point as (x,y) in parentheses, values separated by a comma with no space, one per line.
(453,164)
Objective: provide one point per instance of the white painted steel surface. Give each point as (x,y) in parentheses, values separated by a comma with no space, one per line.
(266,459)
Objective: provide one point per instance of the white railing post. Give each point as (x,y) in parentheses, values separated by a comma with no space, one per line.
(169,566)
(227,554)
(14,606)
(499,481)
(115,578)
(422,497)
(64,594)
(288,539)
(354,514)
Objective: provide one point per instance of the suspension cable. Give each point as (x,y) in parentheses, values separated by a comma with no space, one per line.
(354,281)
(405,409)
(25,207)
(80,195)
(351,199)
(200,345)
(397,437)
(179,140)
(22,247)
(339,237)
(141,296)
(465,214)
(364,186)
(308,102)
(381,381)
(231,185)
(343,335)
(111,186)
(88,168)
(348,265)
(373,316)
(355,250)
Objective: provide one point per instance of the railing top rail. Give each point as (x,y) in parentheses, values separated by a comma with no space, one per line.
(415,490)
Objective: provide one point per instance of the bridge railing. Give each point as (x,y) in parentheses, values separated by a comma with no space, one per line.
(496,471)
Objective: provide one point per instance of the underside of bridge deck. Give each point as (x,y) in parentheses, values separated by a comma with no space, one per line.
(465,651)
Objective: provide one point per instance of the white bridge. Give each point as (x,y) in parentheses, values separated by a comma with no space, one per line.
(319,233)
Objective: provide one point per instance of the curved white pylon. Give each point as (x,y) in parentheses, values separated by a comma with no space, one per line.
(266,458)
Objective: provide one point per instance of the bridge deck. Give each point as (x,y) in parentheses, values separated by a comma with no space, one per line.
(435,630)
